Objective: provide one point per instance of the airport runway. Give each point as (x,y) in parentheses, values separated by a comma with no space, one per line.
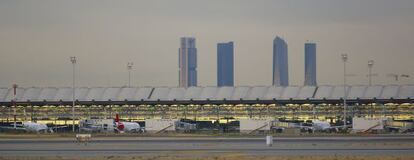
(209,145)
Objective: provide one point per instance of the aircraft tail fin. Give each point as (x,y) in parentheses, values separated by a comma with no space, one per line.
(117,118)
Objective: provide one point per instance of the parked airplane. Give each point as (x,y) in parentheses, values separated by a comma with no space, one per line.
(97,125)
(184,126)
(32,127)
(127,126)
(109,125)
(322,126)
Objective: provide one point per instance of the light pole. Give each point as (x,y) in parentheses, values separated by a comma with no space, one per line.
(129,67)
(345,59)
(14,105)
(370,64)
(73,60)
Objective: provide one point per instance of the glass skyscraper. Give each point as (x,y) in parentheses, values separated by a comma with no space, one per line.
(225,64)
(187,62)
(310,64)
(280,62)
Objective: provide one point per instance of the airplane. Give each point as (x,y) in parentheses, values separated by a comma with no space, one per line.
(97,125)
(323,126)
(185,126)
(122,127)
(32,127)
(109,125)
(36,127)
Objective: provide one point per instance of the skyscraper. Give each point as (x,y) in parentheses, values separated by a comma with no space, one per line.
(225,64)
(310,64)
(280,62)
(187,62)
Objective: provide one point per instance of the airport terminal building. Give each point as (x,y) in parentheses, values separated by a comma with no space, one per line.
(210,103)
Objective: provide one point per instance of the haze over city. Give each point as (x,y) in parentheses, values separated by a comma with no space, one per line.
(38,37)
(207,79)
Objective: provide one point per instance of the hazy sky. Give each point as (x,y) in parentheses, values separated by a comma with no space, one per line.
(38,37)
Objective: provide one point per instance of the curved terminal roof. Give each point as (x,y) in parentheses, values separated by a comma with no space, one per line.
(240,94)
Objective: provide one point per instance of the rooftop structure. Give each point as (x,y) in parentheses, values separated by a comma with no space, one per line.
(211,95)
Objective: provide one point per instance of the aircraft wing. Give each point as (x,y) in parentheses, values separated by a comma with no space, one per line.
(58,127)
(306,127)
(12,128)
(340,127)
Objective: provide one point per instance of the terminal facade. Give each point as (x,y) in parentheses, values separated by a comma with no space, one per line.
(209,103)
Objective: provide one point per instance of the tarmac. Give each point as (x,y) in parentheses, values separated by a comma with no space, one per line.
(121,146)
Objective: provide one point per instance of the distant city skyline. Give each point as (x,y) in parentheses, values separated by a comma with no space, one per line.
(38,37)
(280,62)
(225,64)
(187,62)
(310,64)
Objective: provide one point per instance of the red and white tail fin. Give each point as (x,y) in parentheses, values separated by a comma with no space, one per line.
(117,118)
(119,125)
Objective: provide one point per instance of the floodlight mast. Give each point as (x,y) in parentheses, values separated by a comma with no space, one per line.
(73,61)
(370,65)
(14,105)
(129,67)
(344,59)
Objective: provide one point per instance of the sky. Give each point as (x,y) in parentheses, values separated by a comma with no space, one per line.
(38,37)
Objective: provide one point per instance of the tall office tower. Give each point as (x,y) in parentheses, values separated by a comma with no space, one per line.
(187,62)
(310,64)
(225,64)
(280,62)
